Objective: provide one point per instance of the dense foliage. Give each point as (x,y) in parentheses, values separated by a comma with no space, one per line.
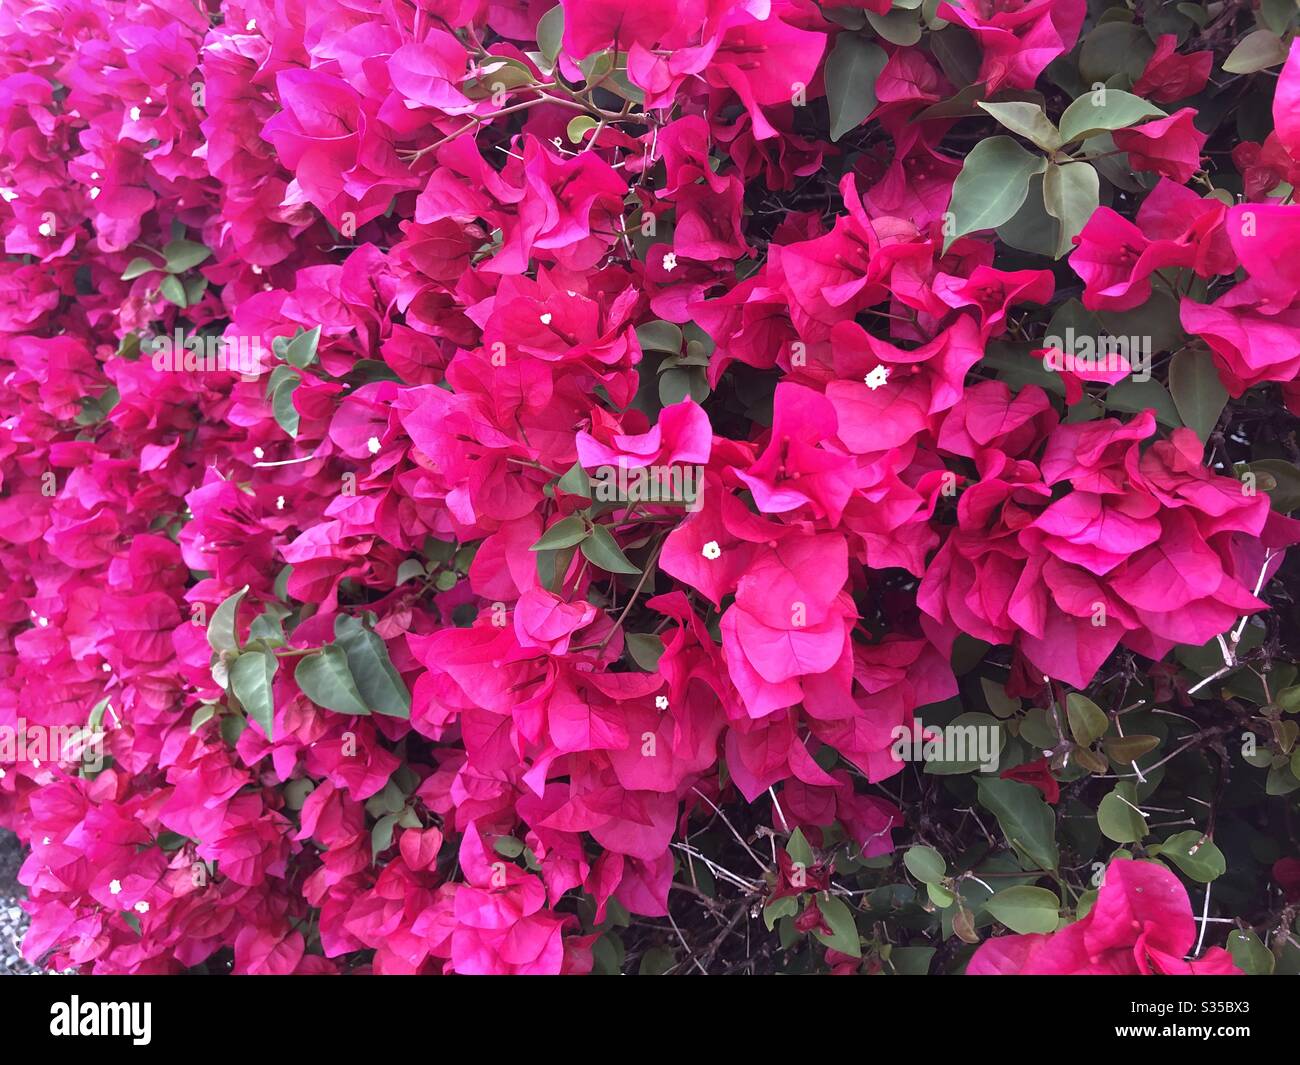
(710,486)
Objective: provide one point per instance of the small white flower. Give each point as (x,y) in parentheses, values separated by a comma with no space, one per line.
(712,550)
(2,776)
(148,99)
(135,114)
(279,502)
(42,622)
(36,763)
(8,195)
(94,175)
(670,262)
(115,887)
(661,702)
(258,452)
(251,25)
(45,229)
(256,269)
(106,668)
(876,377)
(141,907)
(373,445)
(94,192)
(545,319)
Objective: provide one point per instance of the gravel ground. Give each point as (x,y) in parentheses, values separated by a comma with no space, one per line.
(13,922)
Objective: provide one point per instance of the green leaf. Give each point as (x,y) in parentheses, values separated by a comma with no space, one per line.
(1088,723)
(656,962)
(1256,51)
(1199,858)
(326,680)
(1198,393)
(575,482)
(182,255)
(799,849)
(999,702)
(251,678)
(1133,397)
(1070,194)
(232,727)
(678,382)
(1284,492)
(409,570)
(550,33)
(839,919)
(785,906)
(1027,119)
(578,127)
(1113,48)
(659,336)
(1102,111)
(1026,909)
(1249,954)
(1118,817)
(301,351)
(508,847)
(993,183)
(136,267)
(552,566)
(1033,230)
(910,961)
(940,895)
(281,387)
(602,550)
(926,864)
(381,836)
(899,26)
(380,685)
(1277,14)
(564,533)
(645,649)
(851,72)
(173,291)
(221,626)
(1026,820)
(969,728)
(1125,749)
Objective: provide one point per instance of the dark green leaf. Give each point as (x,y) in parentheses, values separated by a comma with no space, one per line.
(1118,816)
(1103,111)
(380,685)
(839,918)
(1026,909)
(182,255)
(851,72)
(926,864)
(1198,393)
(251,679)
(993,183)
(301,350)
(222,634)
(1088,723)
(564,533)
(602,550)
(1026,820)
(326,680)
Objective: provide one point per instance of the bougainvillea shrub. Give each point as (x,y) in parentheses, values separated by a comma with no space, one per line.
(628,486)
